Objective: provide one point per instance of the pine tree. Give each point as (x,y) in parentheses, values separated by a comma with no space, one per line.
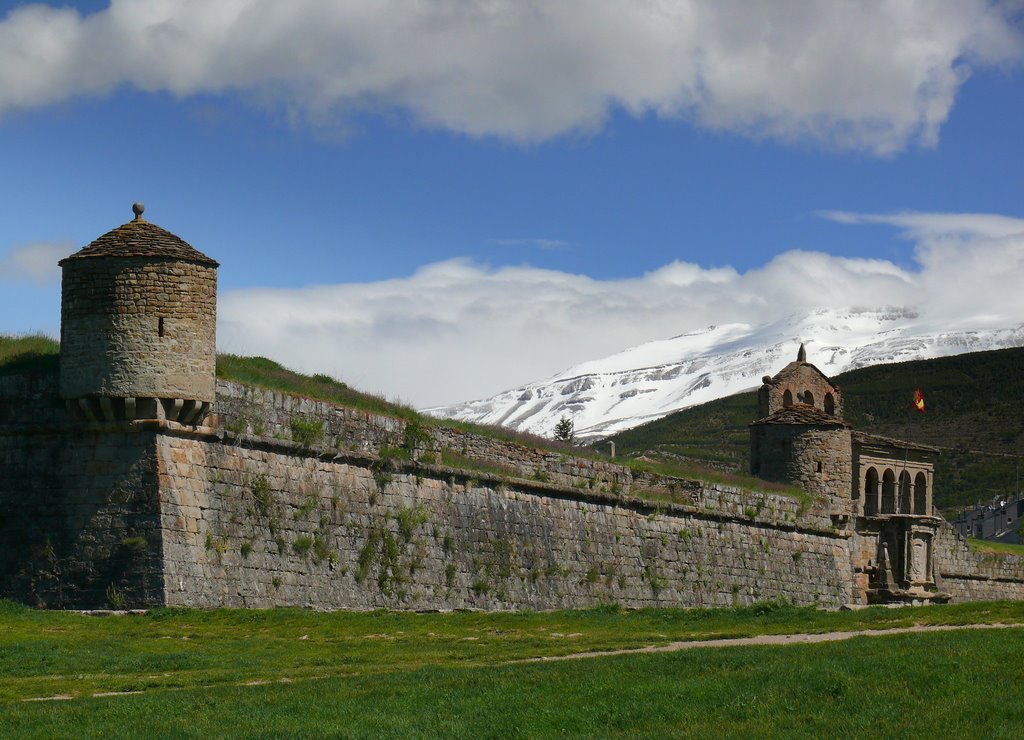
(565,430)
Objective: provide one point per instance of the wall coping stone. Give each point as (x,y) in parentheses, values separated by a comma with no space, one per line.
(982,577)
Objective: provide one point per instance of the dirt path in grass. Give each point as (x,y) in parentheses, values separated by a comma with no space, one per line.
(790,639)
(793,639)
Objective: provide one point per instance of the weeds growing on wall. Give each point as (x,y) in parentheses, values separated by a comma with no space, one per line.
(654,580)
(322,550)
(263,495)
(454,459)
(381,476)
(381,549)
(307,432)
(115,597)
(390,452)
(309,503)
(415,436)
(409,519)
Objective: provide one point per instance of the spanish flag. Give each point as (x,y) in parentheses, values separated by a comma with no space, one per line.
(919,400)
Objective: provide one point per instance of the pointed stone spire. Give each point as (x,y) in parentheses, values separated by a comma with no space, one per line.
(801,355)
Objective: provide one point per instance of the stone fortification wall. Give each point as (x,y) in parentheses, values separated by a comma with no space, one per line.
(269,414)
(530,462)
(972,576)
(138,327)
(31,399)
(247,410)
(146,513)
(79,519)
(250,522)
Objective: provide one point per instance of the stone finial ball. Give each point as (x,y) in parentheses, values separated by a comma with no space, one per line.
(766,379)
(138,209)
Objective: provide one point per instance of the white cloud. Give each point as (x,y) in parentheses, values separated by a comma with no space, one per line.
(864,75)
(972,264)
(916,225)
(35,262)
(458,330)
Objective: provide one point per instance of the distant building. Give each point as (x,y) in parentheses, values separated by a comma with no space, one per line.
(998,521)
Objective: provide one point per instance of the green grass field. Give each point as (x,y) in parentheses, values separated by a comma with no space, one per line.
(296,673)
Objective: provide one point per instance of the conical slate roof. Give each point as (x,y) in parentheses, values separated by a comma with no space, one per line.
(140,238)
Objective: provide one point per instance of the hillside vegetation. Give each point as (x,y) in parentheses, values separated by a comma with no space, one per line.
(975,413)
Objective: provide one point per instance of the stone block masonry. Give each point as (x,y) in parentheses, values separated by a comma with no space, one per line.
(79,518)
(135,327)
(816,459)
(973,576)
(270,524)
(269,414)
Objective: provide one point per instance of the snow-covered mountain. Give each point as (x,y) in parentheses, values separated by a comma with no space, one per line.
(654,379)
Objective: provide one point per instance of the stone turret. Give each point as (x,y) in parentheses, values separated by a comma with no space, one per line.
(138,327)
(800,437)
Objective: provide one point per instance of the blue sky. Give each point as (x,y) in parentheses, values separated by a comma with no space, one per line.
(438,201)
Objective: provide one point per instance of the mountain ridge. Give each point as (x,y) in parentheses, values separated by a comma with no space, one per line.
(651,380)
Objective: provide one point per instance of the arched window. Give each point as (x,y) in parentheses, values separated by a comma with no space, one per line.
(904,493)
(787,398)
(808,398)
(830,405)
(921,494)
(889,492)
(871,492)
